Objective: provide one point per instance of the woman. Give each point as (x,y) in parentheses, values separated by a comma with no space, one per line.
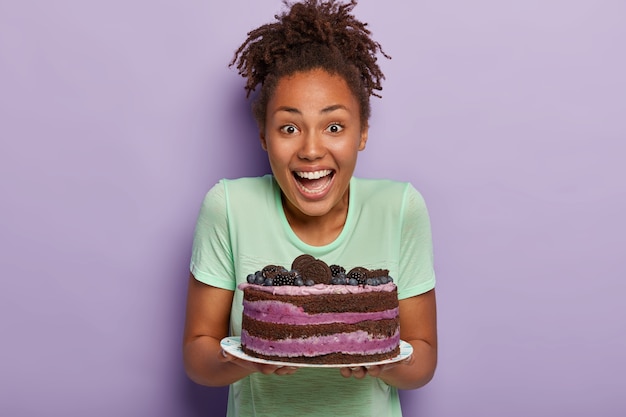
(316,68)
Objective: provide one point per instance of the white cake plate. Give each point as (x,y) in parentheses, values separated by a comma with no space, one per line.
(232,345)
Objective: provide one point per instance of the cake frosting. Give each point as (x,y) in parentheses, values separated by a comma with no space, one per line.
(320,314)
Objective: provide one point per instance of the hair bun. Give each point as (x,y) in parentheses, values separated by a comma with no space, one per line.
(311,34)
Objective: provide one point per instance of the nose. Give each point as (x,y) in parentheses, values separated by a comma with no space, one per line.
(312,147)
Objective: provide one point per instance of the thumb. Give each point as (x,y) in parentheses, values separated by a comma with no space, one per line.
(224,357)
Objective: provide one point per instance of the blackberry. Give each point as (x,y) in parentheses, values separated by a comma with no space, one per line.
(335,270)
(284,278)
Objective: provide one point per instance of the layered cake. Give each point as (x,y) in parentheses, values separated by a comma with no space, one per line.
(316,313)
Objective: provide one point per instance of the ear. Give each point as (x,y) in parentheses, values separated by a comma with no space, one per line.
(263,142)
(363,140)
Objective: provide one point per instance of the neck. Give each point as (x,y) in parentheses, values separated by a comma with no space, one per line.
(317,230)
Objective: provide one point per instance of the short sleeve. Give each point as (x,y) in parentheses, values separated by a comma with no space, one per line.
(211,256)
(417,274)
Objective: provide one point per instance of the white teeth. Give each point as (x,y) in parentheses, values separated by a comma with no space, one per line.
(313,175)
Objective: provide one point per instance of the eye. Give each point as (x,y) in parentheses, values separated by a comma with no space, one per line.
(334,128)
(289,129)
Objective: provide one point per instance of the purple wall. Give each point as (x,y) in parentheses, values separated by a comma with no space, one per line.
(116,117)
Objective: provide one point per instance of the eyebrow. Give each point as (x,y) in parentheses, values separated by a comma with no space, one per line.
(328,109)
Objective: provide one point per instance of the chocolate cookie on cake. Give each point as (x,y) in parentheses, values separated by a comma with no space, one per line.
(316,313)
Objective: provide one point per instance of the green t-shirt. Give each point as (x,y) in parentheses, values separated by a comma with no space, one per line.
(242,227)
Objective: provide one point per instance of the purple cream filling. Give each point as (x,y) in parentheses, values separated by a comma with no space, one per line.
(285,313)
(356,343)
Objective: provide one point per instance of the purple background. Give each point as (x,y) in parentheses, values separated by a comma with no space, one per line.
(117,116)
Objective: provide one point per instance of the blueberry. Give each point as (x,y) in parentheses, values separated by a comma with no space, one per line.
(268,282)
(309,283)
(259,280)
(251,278)
(298,282)
(353,281)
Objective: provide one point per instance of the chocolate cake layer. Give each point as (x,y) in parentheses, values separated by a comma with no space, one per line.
(331,303)
(272,331)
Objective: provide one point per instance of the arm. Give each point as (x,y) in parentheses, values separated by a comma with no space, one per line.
(418,326)
(207,322)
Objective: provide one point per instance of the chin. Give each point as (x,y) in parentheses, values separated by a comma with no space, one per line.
(318,209)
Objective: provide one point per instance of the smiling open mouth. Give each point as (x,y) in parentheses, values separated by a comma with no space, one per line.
(314,182)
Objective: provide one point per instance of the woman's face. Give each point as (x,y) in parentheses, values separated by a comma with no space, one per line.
(312,135)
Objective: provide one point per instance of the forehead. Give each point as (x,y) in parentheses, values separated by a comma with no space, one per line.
(312,89)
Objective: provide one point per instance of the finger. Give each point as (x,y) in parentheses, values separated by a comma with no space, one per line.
(374,370)
(286,370)
(267,369)
(359,372)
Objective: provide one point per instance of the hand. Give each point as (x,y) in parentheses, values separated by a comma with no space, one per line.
(360,372)
(257,367)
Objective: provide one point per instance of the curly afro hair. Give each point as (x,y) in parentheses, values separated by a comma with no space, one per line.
(311,34)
